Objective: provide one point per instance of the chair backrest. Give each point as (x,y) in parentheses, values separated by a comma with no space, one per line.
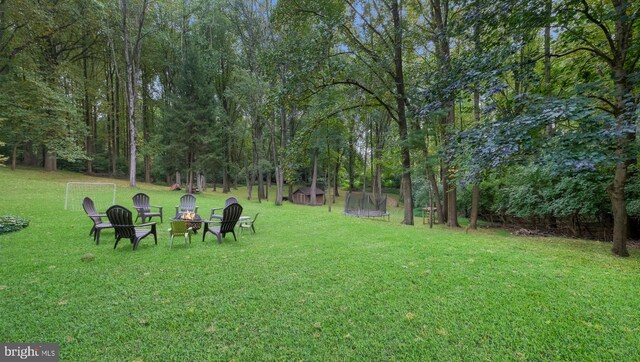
(187,202)
(90,209)
(141,201)
(122,221)
(178,227)
(230,216)
(231,200)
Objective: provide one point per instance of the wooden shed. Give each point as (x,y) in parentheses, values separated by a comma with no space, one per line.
(303,196)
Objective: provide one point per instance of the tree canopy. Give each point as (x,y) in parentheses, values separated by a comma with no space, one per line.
(511,111)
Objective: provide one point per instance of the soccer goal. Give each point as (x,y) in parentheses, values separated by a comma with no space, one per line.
(103,195)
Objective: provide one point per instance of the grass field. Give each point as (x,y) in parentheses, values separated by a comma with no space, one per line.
(309,285)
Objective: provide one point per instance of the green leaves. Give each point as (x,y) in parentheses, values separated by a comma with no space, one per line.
(37,111)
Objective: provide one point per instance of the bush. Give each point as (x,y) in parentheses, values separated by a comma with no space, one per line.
(535,192)
(633,193)
(12,223)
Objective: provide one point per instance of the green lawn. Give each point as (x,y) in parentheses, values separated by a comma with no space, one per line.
(310,285)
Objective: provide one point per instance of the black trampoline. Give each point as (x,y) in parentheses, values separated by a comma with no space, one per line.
(364,204)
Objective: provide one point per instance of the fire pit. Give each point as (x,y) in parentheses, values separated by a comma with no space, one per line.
(193,220)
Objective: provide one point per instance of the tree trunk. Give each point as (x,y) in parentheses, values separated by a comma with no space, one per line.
(402,118)
(28,156)
(260,186)
(279,185)
(257,156)
(268,186)
(352,156)
(189,181)
(146,125)
(131,96)
(475,204)
(251,178)
(132,59)
(452,216)
(314,179)
(50,161)
(445,188)
(249,185)
(109,132)
(89,142)
(226,186)
(336,188)
(436,195)
(327,198)
(475,193)
(618,205)
(114,125)
(626,106)
(279,172)
(443,54)
(378,179)
(616,191)
(14,156)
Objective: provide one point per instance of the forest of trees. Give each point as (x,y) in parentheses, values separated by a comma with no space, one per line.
(509,111)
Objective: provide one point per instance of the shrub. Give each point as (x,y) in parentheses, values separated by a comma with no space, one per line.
(531,192)
(633,192)
(12,223)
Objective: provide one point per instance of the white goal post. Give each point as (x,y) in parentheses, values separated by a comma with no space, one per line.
(103,195)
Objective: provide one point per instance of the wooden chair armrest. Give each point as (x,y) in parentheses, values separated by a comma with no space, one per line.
(153,223)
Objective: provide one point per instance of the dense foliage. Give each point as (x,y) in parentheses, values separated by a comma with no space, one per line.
(513,108)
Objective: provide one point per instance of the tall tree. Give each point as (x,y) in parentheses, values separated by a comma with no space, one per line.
(132,50)
(611,24)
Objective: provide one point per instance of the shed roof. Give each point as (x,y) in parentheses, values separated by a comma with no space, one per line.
(307,191)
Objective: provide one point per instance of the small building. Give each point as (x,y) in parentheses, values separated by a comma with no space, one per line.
(302,196)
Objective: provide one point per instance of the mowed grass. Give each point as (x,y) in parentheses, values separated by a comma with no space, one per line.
(310,285)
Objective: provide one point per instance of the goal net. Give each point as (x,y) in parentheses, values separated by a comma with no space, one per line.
(103,195)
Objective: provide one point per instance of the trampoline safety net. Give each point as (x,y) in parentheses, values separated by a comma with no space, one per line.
(365,204)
